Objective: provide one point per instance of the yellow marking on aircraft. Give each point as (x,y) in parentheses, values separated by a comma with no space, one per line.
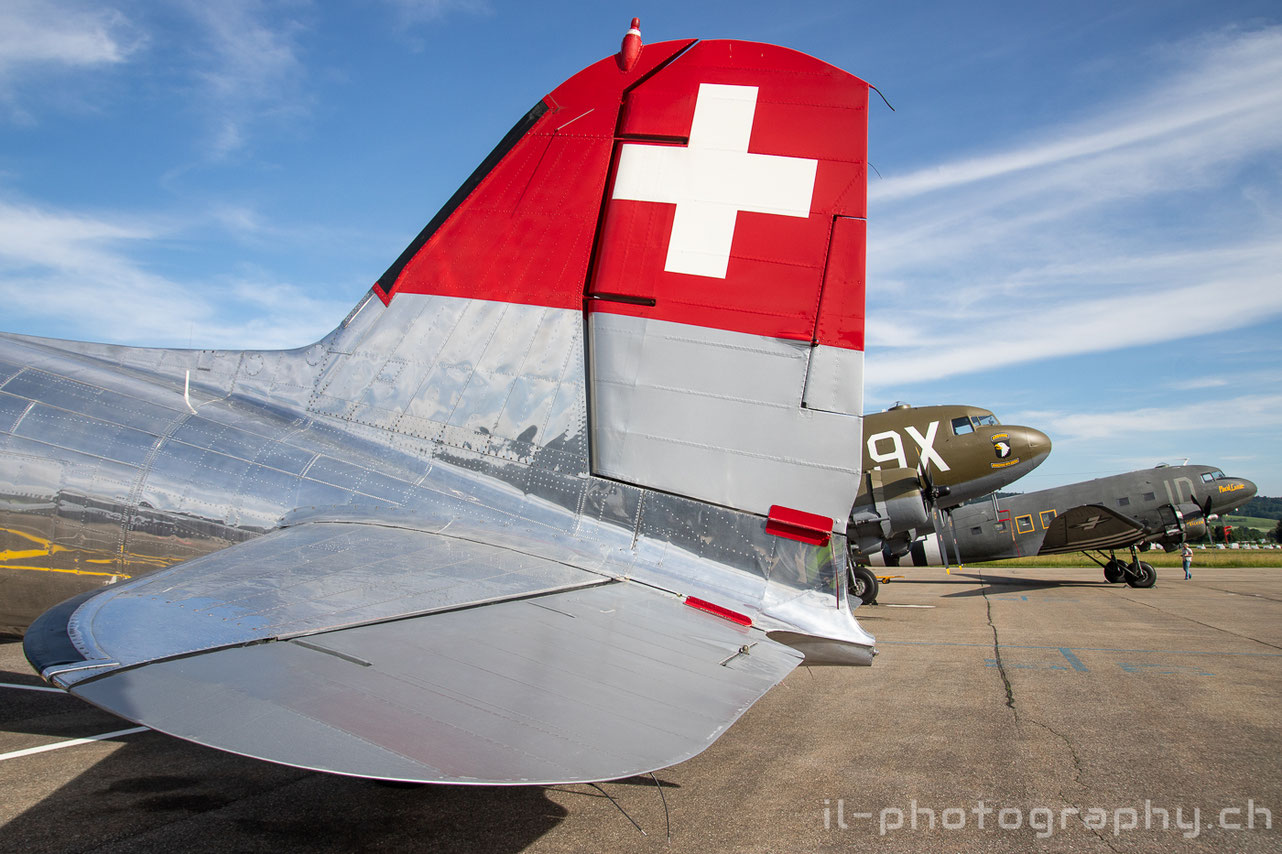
(46,548)
(1232,487)
(119,575)
(40,541)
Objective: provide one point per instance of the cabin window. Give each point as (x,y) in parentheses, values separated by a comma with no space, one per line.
(1122,502)
(962,426)
(1048,516)
(986,421)
(1149,496)
(1000,527)
(1024,524)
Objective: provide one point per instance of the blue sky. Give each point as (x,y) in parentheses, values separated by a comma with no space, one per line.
(1077,223)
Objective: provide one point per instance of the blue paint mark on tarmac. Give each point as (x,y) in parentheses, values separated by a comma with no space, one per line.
(1169,669)
(1074,660)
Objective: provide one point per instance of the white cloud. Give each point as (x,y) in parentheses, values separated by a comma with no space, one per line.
(1200,383)
(1191,414)
(41,43)
(82,269)
(1123,229)
(1234,83)
(250,70)
(411,12)
(69,34)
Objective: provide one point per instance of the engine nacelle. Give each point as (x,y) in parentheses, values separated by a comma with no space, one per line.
(890,504)
(1185,522)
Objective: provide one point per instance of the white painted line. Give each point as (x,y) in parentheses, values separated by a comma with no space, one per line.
(33,688)
(71,742)
(907,606)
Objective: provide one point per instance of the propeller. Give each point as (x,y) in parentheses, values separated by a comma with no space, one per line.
(930,495)
(929,491)
(1206,511)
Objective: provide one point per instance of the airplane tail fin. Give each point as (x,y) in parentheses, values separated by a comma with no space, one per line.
(657,277)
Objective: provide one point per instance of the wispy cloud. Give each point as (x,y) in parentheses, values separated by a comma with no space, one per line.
(411,12)
(1235,80)
(84,268)
(1191,414)
(1200,383)
(1094,236)
(250,70)
(75,34)
(43,37)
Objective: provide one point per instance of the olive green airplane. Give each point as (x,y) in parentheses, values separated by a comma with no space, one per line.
(925,459)
(1163,506)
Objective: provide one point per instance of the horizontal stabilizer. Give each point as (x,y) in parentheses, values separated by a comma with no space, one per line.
(403,654)
(1090,526)
(583,685)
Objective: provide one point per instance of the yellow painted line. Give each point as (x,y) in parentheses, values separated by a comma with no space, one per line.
(71,742)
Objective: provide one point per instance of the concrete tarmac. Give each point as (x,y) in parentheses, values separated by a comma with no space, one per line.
(1009,710)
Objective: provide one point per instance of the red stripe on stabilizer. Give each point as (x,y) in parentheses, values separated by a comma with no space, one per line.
(799,525)
(724,613)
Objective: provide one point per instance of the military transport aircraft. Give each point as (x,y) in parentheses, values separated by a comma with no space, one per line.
(562,496)
(924,459)
(1161,506)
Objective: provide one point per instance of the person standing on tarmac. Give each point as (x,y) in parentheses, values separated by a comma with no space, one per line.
(1187,554)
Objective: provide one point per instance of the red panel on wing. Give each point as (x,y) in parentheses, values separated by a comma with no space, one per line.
(524,234)
(804,109)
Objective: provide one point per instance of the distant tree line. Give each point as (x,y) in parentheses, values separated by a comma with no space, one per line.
(1263,507)
(1241,534)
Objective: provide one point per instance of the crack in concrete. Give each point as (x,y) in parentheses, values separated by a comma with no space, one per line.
(997,649)
(1200,623)
(1098,833)
(1078,768)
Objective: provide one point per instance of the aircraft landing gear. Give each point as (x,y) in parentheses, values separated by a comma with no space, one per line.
(1138,573)
(863,584)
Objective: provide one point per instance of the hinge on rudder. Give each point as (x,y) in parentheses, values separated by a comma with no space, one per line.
(799,525)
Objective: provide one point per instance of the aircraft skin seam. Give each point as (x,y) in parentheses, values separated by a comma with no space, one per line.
(754,454)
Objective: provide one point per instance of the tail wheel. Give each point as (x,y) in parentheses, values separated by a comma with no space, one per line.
(863,584)
(1114,571)
(1145,577)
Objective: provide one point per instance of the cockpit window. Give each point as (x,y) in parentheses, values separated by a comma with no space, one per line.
(962,426)
(986,421)
(1217,474)
(1207,477)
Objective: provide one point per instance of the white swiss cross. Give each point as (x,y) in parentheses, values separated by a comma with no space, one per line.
(714,178)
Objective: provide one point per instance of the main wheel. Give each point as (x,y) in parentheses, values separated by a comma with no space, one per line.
(1146,577)
(863,584)
(1114,571)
